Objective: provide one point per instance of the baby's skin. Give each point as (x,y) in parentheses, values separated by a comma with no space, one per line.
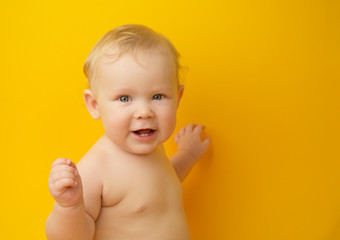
(115,194)
(125,187)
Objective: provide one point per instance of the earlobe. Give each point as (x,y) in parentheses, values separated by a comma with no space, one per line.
(91,104)
(180,93)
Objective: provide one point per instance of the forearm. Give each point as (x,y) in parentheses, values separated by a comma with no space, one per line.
(182,162)
(69,224)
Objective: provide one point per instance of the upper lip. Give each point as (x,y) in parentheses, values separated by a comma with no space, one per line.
(138,129)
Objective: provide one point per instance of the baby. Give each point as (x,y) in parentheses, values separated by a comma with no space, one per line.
(125,187)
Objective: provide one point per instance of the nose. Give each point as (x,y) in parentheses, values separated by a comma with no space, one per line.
(143,111)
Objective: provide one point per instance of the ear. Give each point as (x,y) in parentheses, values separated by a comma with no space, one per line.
(180,93)
(91,104)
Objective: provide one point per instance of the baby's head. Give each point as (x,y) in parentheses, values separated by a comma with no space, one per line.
(133,79)
(124,39)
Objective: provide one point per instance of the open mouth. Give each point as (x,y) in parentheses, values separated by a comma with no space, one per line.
(144,132)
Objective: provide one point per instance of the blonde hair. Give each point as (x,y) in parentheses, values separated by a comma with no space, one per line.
(126,39)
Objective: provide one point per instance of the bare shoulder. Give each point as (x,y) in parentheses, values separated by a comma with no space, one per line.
(91,168)
(93,162)
(100,170)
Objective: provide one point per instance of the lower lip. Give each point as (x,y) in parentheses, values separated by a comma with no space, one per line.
(145,138)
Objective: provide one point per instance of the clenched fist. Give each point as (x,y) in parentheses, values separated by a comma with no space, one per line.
(65,184)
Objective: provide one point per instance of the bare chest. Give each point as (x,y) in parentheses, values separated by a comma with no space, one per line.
(142,200)
(142,188)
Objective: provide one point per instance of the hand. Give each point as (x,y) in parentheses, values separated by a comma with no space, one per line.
(65,184)
(189,141)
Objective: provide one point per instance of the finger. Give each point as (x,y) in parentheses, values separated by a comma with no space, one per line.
(76,173)
(72,164)
(75,169)
(176,139)
(206,142)
(181,132)
(60,168)
(61,161)
(198,129)
(61,175)
(191,127)
(64,183)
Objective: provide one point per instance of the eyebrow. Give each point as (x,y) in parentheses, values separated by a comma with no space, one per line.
(118,90)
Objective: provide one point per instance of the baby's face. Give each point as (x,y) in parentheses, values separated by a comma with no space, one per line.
(137,100)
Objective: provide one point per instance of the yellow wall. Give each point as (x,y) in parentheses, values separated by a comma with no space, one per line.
(263,77)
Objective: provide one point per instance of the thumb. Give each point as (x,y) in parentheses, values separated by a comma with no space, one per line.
(176,138)
(206,142)
(76,174)
(78,178)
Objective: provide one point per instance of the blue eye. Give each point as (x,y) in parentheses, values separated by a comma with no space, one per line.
(124,98)
(158,97)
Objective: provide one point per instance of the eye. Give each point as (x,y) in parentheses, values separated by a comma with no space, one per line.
(158,97)
(124,98)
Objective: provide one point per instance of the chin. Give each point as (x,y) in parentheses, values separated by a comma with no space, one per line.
(141,150)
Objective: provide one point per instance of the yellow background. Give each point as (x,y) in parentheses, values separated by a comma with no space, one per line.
(263,77)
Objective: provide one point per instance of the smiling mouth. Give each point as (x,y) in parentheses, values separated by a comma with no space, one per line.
(144,132)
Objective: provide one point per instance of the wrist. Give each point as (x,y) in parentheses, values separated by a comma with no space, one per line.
(69,208)
(188,155)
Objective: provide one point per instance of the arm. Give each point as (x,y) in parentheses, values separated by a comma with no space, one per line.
(68,220)
(190,149)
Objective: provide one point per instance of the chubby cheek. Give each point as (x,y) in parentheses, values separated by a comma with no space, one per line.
(115,125)
(167,122)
